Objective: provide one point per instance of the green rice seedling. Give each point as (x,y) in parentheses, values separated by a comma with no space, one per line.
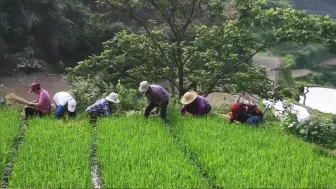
(9,127)
(237,156)
(54,154)
(138,153)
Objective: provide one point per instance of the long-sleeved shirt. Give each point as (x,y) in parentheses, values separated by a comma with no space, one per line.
(100,107)
(158,95)
(197,107)
(43,102)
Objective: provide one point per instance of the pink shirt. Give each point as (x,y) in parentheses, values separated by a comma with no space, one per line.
(43,102)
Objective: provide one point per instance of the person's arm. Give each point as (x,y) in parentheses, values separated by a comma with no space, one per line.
(148,109)
(183,110)
(39,103)
(106,109)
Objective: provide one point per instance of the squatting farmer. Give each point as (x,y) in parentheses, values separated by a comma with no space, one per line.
(42,105)
(157,97)
(64,103)
(102,107)
(195,104)
(246,113)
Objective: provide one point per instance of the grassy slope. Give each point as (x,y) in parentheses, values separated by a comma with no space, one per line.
(9,127)
(54,155)
(135,153)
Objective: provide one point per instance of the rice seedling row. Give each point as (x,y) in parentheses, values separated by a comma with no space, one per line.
(138,153)
(236,156)
(11,133)
(191,156)
(55,154)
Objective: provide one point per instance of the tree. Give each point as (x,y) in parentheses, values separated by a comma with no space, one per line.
(202,44)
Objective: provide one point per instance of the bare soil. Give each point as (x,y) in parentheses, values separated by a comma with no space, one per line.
(21,84)
(301,73)
(330,62)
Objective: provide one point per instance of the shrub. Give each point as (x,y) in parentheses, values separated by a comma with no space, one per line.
(87,92)
(317,130)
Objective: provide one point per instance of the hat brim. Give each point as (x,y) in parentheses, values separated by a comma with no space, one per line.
(142,90)
(71,108)
(114,101)
(186,102)
(30,90)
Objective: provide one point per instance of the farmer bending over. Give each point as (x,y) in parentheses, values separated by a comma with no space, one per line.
(195,104)
(157,97)
(102,107)
(42,105)
(64,103)
(245,113)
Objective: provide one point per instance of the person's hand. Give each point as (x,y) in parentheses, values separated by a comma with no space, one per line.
(31,104)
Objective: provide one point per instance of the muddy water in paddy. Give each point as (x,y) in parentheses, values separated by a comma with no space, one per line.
(21,84)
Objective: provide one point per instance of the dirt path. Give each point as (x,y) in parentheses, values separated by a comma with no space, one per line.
(301,73)
(330,62)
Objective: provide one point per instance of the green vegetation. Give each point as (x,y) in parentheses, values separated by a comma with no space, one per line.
(54,154)
(241,157)
(136,153)
(186,152)
(9,128)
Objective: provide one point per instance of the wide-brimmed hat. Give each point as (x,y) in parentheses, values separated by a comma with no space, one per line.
(112,97)
(189,97)
(72,105)
(144,85)
(34,86)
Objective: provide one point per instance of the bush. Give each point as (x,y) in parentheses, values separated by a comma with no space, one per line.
(87,92)
(317,130)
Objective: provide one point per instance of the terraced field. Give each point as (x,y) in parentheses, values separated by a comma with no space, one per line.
(9,127)
(185,153)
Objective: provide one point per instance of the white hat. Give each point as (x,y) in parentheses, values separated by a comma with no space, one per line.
(143,86)
(112,97)
(72,105)
(188,97)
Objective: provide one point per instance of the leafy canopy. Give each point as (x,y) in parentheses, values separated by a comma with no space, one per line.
(206,45)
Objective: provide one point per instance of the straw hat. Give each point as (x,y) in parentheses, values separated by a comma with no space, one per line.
(143,86)
(188,97)
(113,97)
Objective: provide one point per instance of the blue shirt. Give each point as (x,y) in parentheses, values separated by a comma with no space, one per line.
(100,107)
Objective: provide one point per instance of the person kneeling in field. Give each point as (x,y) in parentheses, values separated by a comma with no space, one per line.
(102,107)
(64,103)
(157,97)
(42,105)
(246,113)
(195,104)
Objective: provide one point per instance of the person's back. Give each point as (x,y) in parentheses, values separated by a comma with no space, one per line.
(243,112)
(61,98)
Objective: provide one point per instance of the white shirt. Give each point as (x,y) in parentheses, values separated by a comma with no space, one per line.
(61,98)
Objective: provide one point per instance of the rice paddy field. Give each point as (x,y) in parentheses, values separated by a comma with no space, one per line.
(187,152)
(9,127)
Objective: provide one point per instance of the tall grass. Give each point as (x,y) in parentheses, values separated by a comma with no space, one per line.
(54,154)
(9,128)
(241,157)
(138,153)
